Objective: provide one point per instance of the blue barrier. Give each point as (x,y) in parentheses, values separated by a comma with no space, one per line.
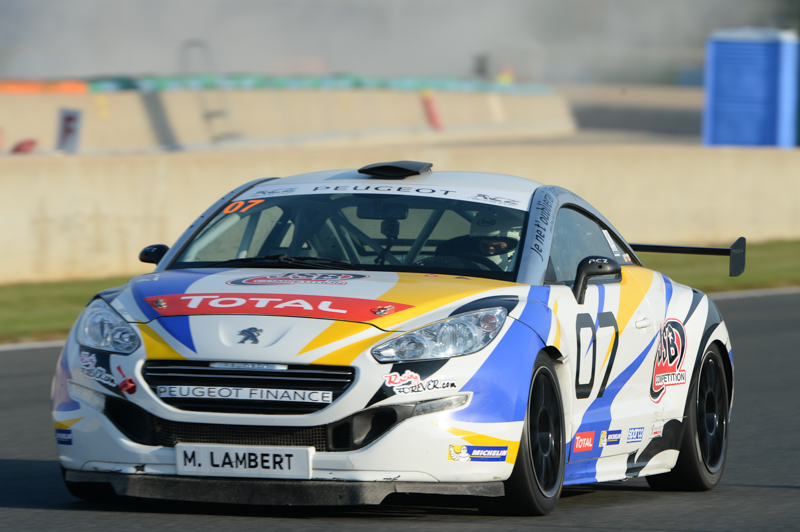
(751,88)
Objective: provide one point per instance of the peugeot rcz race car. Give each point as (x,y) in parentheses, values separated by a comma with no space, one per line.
(335,337)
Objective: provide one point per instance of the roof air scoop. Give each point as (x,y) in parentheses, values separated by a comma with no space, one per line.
(396,169)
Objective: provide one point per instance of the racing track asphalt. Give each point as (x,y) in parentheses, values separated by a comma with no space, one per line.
(760,489)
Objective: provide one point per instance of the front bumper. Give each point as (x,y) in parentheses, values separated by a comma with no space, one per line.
(275,492)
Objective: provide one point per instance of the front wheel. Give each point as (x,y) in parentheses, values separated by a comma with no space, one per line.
(705,436)
(535,484)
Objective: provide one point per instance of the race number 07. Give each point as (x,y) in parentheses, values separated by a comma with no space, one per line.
(584,321)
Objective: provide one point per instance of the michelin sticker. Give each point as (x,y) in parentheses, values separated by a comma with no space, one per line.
(513,200)
(474,453)
(64,436)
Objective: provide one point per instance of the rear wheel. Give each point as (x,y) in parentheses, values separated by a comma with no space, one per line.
(535,484)
(705,435)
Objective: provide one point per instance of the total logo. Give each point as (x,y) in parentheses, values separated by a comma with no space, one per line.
(584,441)
(298,278)
(306,306)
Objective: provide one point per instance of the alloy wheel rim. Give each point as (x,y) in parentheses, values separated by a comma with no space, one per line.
(544,428)
(711,416)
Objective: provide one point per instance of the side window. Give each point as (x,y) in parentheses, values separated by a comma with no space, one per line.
(575,236)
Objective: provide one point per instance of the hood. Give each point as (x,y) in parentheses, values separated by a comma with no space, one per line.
(382,299)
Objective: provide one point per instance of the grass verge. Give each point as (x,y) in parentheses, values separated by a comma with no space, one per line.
(46,311)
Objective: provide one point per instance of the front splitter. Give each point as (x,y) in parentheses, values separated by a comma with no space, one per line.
(275,492)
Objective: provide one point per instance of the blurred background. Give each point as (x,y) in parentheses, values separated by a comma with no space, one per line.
(120,122)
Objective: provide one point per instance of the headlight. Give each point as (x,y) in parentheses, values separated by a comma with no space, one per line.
(453,337)
(102,328)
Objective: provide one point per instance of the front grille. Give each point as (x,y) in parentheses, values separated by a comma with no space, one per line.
(353,432)
(182,378)
(168,433)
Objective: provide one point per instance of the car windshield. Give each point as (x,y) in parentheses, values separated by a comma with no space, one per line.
(372,232)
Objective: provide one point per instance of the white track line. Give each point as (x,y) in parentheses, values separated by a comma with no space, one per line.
(761,292)
(31,345)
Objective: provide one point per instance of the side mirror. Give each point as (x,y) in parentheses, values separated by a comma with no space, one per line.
(592,267)
(153,254)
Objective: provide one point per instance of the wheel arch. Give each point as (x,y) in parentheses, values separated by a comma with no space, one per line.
(728,366)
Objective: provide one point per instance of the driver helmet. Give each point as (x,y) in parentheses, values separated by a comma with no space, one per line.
(489,223)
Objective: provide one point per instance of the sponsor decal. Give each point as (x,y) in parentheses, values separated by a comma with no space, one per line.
(64,436)
(627,257)
(410,382)
(465,278)
(635,434)
(542,218)
(306,306)
(668,364)
(250,334)
(509,199)
(494,200)
(610,437)
(474,453)
(584,441)
(291,278)
(92,371)
(657,430)
(249,394)
(611,243)
(277,192)
(395,379)
(249,366)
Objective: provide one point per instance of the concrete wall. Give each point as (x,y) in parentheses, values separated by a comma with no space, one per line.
(89,216)
(133,121)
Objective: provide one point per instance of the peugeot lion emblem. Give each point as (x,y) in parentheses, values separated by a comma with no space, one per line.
(250,335)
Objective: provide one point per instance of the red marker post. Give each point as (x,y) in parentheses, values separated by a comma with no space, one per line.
(432,110)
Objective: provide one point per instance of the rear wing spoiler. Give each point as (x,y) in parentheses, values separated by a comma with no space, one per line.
(735,252)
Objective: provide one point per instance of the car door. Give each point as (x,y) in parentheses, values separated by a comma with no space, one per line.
(607,336)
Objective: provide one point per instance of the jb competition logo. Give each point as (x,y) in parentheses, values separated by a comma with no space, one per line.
(299,278)
(670,352)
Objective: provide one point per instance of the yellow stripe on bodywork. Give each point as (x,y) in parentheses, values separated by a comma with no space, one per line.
(557,340)
(631,294)
(334,332)
(156,347)
(428,293)
(346,355)
(66,424)
(473,438)
(635,283)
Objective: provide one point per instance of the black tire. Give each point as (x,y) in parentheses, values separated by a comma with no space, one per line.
(91,491)
(535,484)
(705,436)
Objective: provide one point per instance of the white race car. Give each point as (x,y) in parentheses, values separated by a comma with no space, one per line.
(334,337)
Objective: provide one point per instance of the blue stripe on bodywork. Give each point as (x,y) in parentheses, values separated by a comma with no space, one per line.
(171,282)
(501,386)
(668,291)
(597,418)
(62,402)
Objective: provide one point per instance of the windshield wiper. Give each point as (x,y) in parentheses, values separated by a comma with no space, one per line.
(304,262)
